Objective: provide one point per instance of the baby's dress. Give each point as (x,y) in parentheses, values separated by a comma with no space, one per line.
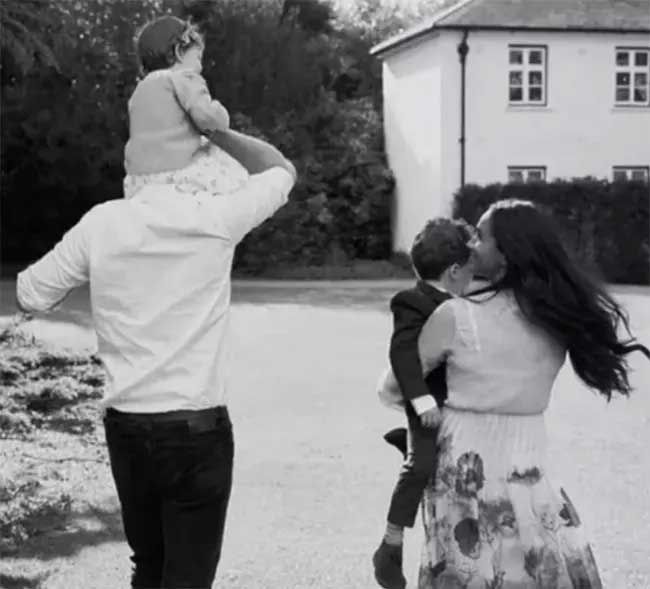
(212,170)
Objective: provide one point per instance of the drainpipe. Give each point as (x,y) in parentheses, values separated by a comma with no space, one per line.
(463,50)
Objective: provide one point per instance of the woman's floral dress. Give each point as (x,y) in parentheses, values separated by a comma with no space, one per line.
(492,518)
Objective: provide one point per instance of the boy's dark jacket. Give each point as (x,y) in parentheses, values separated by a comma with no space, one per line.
(411,308)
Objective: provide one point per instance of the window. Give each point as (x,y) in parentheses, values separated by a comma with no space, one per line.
(526,75)
(520,174)
(632,73)
(624,173)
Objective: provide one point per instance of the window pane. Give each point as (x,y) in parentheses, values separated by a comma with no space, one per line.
(535,94)
(640,79)
(641,95)
(535,56)
(620,175)
(535,78)
(622,58)
(623,79)
(516,78)
(641,58)
(516,56)
(515,176)
(622,94)
(535,176)
(516,94)
(641,175)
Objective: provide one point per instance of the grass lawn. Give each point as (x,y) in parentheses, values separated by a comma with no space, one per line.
(312,475)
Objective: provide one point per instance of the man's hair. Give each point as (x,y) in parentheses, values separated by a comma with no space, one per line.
(158,40)
(442,243)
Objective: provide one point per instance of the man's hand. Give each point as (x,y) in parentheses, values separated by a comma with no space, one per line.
(431,418)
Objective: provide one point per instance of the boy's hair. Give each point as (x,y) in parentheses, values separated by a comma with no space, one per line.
(442,243)
(159,40)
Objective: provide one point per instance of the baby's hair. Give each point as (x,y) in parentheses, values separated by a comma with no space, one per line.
(442,243)
(159,42)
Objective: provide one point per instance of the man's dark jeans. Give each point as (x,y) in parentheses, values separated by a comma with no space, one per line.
(173,473)
(419,467)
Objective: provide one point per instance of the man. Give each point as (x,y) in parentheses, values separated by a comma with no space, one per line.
(159,272)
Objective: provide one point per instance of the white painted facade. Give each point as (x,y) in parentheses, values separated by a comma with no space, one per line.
(579,132)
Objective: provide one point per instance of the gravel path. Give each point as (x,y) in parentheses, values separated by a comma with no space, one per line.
(312,475)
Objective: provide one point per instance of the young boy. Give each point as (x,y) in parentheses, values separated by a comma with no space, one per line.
(441,260)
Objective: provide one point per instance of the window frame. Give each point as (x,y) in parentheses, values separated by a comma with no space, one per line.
(631,70)
(628,172)
(526,170)
(525,69)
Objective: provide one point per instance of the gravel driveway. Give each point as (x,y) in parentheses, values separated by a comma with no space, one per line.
(312,475)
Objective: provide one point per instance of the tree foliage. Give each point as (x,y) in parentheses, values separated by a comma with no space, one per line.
(297,72)
(28,30)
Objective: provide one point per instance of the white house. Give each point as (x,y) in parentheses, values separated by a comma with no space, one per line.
(514,90)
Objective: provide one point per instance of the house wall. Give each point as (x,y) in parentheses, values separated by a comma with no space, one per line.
(578,132)
(415,99)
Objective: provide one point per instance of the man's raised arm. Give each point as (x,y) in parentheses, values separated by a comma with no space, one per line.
(255,155)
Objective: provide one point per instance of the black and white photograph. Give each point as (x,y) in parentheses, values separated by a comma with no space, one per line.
(325,294)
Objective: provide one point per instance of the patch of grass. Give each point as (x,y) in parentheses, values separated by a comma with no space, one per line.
(27,509)
(40,392)
(39,388)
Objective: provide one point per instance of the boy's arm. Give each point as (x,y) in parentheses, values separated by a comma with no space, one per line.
(405,362)
(193,95)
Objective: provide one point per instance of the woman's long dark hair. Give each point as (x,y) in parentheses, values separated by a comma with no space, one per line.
(553,292)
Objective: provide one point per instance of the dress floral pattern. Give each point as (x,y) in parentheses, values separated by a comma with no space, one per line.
(212,170)
(484,530)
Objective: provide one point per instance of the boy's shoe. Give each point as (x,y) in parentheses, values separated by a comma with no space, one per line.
(388,566)
(397,438)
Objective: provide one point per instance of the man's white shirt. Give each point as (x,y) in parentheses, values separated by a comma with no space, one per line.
(159,271)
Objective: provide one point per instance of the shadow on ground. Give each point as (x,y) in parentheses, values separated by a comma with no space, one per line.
(66,535)
(21,581)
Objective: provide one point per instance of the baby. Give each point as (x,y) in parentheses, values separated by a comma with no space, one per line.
(171,114)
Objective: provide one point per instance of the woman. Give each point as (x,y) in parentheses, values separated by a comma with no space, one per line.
(492,520)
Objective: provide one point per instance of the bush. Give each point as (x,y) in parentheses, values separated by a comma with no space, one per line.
(606,225)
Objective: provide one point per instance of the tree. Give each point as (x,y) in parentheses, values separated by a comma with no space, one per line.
(312,15)
(27,27)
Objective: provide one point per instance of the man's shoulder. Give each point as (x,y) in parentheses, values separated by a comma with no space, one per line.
(104,210)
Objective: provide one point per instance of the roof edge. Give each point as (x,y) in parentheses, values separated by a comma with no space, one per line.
(414,34)
(419,30)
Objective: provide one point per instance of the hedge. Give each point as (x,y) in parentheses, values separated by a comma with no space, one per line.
(606,225)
